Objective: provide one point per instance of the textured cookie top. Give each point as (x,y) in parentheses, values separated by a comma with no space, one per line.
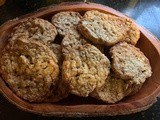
(66,21)
(108,29)
(86,69)
(30,69)
(35,29)
(130,63)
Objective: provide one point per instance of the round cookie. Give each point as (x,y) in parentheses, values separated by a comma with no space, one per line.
(66,21)
(133,33)
(85,68)
(114,89)
(108,29)
(35,29)
(30,69)
(128,62)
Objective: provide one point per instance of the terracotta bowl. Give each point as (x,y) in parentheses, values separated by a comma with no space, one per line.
(76,106)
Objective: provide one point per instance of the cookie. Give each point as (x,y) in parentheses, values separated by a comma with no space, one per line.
(85,68)
(133,33)
(112,91)
(115,89)
(66,21)
(72,41)
(108,29)
(128,62)
(35,29)
(62,89)
(30,69)
(59,92)
(57,50)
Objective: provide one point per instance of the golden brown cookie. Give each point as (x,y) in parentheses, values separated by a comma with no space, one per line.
(35,29)
(115,89)
(128,62)
(66,21)
(112,91)
(108,29)
(30,69)
(85,68)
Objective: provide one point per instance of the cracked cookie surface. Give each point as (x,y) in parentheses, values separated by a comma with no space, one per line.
(30,69)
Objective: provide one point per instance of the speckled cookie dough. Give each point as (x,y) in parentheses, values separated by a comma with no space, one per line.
(35,29)
(30,69)
(66,21)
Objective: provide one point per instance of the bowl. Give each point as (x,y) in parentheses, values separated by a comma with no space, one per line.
(77,106)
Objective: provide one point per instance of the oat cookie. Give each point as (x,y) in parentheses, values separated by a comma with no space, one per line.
(85,68)
(62,89)
(115,89)
(112,91)
(57,50)
(72,41)
(66,21)
(133,33)
(108,29)
(35,29)
(30,69)
(129,62)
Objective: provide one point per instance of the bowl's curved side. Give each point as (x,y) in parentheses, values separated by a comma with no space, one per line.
(141,101)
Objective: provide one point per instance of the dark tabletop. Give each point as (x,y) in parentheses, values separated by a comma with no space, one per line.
(145,12)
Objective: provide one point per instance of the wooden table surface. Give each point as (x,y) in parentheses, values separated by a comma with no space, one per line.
(145,12)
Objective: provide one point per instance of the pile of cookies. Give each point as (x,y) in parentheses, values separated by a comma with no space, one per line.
(95,56)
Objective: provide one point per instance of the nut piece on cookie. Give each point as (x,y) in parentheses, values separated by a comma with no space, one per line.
(35,29)
(128,62)
(108,29)
(66,21)
(85,68)
(30,69)
(115,89)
